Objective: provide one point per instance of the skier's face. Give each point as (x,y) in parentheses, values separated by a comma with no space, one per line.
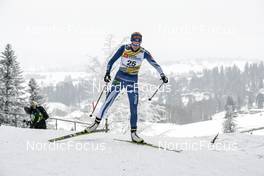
(33,105)
(135,45)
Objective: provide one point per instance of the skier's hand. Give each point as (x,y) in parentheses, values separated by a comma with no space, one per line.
(164,78)
(107,77)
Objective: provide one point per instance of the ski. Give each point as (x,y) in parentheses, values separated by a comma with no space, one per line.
(75,135)
(149,145)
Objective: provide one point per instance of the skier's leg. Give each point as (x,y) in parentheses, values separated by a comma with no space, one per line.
(110,97)
(132,91)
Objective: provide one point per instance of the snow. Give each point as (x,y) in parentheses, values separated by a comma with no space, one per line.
(252,119)
(98,154)
(53,106)
(30,153)
(57,109)
(198,96)
(76,115)
(258,132)
(247,122)
(206,128)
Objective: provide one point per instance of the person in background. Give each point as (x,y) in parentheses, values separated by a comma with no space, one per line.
(38,116)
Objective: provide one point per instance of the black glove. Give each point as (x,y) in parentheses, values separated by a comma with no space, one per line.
(164,78)
(107,77)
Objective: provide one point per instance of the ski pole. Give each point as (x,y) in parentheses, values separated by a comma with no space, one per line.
(155,91)
(98,99)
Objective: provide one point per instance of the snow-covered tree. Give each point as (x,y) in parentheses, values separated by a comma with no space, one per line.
(229,106)
(12,91)
(1,91)
(229,124)
(35,92)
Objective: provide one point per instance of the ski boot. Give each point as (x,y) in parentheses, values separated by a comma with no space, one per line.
(94,126)
(135,137)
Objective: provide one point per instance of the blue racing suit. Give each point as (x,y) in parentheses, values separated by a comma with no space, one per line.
(127,77)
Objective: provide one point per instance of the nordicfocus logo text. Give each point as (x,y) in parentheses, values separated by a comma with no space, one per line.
(66,146)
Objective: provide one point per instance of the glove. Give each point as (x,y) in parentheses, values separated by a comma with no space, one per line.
(107,77)
(164,78)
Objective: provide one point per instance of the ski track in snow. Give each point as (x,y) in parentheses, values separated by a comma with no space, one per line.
(126,159)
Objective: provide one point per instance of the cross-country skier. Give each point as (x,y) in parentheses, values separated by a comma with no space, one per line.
(131,56)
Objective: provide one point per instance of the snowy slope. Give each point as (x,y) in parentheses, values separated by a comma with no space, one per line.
(206,128)
(97,154)
(253,119)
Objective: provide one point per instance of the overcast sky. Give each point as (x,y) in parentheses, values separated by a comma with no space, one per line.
(58,32)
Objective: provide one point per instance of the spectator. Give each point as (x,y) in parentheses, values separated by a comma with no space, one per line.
(38,116)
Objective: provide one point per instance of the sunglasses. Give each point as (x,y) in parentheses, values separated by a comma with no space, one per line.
(136,43)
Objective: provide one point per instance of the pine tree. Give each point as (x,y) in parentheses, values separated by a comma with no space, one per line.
(230,105)
(229,124)
(1,92)
(35,93)
(11,80)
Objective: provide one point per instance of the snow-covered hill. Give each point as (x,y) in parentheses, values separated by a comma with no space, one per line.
(26,152)
(245,122)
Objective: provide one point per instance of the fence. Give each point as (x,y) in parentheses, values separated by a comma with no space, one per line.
(251,130)
(16,120)
(69,121)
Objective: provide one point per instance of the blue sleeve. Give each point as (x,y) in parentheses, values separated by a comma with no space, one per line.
(114,58)
(152,62)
